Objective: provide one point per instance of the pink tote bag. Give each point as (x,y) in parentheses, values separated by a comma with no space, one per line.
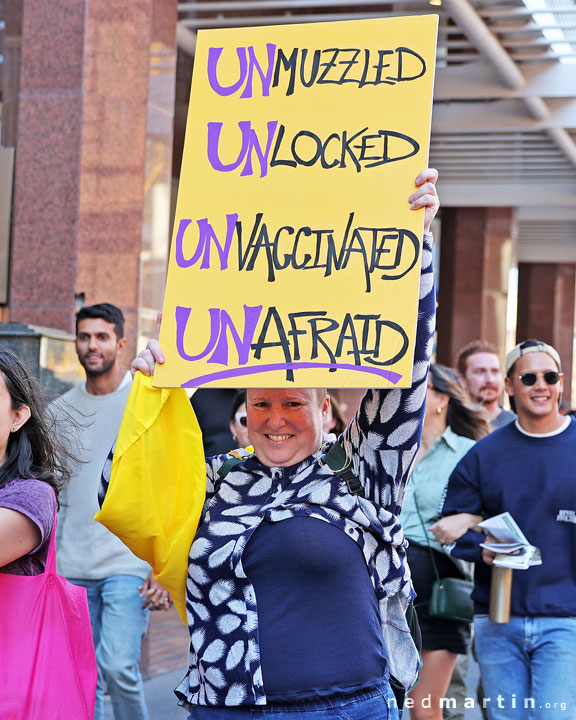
(47,662)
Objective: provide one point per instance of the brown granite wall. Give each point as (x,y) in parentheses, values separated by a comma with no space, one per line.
(546,296)
(45,126)
(113,154)
(84,120)
(476,251)
(158,169)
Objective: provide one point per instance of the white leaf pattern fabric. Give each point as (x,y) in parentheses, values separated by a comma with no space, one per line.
(381,441)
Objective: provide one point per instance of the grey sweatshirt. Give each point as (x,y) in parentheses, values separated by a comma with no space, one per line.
(85,548)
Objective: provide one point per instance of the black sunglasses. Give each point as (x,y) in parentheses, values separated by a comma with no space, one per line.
(529,378)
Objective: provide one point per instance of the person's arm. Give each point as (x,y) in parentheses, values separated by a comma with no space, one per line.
(18,536)
(463,495)
(383,438)
(449,529)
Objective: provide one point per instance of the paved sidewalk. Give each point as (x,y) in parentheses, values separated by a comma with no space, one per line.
(160,698)
(164,664)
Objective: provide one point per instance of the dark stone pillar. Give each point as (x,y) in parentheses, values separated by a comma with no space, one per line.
(476,252)
(93,106)
(546,293)
(44,124)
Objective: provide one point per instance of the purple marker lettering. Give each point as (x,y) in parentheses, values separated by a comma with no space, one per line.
(182,317)
(251,317)
(250,141)
(213,57)
(207,234)
(265,77)
(180,259)
(262,156)
(393,377)
(214,130)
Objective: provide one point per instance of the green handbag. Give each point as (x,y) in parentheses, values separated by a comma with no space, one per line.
(450,598)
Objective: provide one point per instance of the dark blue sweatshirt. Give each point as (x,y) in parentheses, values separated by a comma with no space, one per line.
(534,479)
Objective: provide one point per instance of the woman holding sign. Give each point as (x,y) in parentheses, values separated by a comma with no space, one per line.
(297,580)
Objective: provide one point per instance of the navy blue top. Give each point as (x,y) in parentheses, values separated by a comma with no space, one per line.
(318,617)
(534,479)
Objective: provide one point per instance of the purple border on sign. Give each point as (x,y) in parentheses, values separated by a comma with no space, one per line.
(394,377)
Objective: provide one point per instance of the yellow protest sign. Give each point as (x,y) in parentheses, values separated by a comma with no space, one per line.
(295,256)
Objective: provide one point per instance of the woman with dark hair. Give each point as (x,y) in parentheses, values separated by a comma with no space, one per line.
(32,471)
(335,421)
(451,426)
(239,420)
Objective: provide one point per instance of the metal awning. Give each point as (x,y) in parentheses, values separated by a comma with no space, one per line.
(504,122)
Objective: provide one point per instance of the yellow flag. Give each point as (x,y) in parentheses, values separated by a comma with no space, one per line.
(158,483)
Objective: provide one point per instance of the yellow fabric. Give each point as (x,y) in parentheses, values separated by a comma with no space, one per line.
(158,483)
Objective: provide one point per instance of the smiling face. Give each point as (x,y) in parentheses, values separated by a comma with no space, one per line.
(285,426)
(97,345)
(539,401)
(484,377)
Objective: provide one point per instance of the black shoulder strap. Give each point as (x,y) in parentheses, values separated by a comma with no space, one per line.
(227,465)
(338,462)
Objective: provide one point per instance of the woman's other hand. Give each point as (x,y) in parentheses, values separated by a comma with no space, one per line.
(426,196)
(146,360)
(449,529)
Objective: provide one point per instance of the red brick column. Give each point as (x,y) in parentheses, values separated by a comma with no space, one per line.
(476,252)
(546,293)
(84,99)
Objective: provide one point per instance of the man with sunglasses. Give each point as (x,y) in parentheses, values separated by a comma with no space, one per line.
(526,468)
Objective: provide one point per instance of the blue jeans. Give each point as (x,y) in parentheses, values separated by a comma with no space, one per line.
(376,704)
(527,667)
(118,625)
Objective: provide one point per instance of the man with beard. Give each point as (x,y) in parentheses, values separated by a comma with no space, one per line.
(89,555)
(479,365)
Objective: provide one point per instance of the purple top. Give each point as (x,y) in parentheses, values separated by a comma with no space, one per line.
(35,499)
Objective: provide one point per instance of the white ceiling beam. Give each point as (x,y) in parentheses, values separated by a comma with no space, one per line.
(532,27)
(508,138)
(259,5)
(506,194)
(499,115)
(540,213)
(488,150)
(186,39)
(481,81)
(547,250)
(476,30)
(287,19)
(480,35)
(504,12)
(503,163)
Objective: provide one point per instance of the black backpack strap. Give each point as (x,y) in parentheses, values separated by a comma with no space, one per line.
(337,460)
(227,465)
(233,460)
